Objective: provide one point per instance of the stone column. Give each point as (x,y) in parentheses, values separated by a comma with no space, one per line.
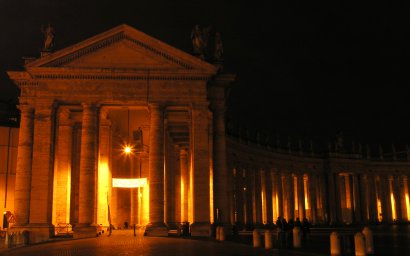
(372,198)
(364,197)
(279,191)
(177,184)
(62,171)
(269,196)
(104,170)
(201,172)
(221,186)
(86,217)
(331,198)
(42,173)
(183,161)
(312,184)
(156,226)
(290,196)
(23,168)
(356,199)
(301,197)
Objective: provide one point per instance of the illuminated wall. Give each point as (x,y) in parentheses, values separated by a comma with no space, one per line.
(8,159)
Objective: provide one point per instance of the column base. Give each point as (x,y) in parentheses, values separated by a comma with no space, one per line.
(84,231)
(33,233)
(156,229)
(201,229)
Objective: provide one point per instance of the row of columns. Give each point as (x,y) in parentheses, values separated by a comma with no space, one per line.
(261,196)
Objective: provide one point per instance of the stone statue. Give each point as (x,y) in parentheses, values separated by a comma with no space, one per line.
(48,37)
(218,52)
(197,40)
(339,142)
(200,39)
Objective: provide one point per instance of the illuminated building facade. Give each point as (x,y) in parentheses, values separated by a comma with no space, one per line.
(83,105)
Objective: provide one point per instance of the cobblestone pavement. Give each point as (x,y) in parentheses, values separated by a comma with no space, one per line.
(123,243)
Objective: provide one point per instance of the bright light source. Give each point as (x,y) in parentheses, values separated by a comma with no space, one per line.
(127,150)
(129,183)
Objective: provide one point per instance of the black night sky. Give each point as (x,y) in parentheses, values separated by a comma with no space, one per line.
(305,69)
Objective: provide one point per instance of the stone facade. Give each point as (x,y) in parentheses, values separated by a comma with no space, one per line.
(81,105)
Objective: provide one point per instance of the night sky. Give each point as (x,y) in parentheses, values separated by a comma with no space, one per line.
(304,69)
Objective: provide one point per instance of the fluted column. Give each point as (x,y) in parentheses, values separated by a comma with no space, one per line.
(62,172)
(41,182)
(23,168)
(86,216)
(156,165)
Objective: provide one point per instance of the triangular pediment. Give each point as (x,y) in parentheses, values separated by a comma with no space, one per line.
(123,48)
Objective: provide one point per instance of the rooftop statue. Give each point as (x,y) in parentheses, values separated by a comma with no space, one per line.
(48,37)
(218,47)
(199,39)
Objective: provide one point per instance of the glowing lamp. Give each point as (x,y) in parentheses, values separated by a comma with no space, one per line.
(127,150)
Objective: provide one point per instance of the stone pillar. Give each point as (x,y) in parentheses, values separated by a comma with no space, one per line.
(364,197)
(104,169)
(177,184)
(156,226)
(279,191)
(301,197)
(201,173)
(312,182)
(290,196)
(356,199)
(372,198)
(62,171)
(42,168)
(385,197)
(269,196)
(183,161)
(331,199)
(221,185)
(23,168)
(86,217)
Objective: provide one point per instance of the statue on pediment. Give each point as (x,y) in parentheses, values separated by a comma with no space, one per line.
(48,37)
(199,39)
(218,51)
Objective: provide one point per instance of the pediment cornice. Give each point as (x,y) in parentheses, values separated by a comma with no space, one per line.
(150,45)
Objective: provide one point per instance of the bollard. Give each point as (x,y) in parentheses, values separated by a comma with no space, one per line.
(359,245)
(368,239)
(217,234)
(221,234)
(335,243)
(297,237)
(256,239)
(268,239)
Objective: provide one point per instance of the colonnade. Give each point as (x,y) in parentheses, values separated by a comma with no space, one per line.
(261,196)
